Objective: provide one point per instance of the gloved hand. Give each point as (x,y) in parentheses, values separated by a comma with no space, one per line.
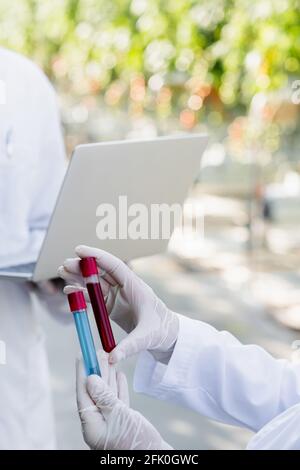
(106,419)
(131,303)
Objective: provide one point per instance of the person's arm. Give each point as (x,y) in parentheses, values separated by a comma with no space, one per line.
(51,167)
(51,159)
(214,374)
(187,361)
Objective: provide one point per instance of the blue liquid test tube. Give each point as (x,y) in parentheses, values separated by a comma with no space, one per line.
(78,308)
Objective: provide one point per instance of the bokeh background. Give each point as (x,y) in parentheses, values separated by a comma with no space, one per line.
(137,69)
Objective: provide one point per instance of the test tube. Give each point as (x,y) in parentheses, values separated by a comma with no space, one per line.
(78,308)
(89,270)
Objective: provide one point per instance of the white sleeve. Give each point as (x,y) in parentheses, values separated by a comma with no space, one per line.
(282,433)
(212,373)
(52,161)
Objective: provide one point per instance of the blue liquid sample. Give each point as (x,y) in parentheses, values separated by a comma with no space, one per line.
(86,342)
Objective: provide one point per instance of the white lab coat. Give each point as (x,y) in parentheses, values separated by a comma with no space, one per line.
(212,373)
(282,433)
(32,164)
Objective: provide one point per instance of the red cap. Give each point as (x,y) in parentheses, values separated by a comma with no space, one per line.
(76,301)
(88,266)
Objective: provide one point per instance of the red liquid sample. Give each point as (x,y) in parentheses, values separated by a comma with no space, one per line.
(101,316)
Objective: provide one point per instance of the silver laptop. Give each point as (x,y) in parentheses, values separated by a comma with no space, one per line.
(105,176)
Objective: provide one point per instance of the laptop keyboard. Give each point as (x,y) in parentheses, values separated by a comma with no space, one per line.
(22,268)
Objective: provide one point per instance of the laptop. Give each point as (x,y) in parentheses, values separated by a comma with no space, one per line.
(100,179)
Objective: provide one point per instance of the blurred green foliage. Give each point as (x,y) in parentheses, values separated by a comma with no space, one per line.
(235,47)
(186,64)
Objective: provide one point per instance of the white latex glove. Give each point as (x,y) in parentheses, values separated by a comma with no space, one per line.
(106,419)
(131,303)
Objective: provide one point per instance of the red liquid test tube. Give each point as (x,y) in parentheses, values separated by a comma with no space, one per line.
(89,270)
